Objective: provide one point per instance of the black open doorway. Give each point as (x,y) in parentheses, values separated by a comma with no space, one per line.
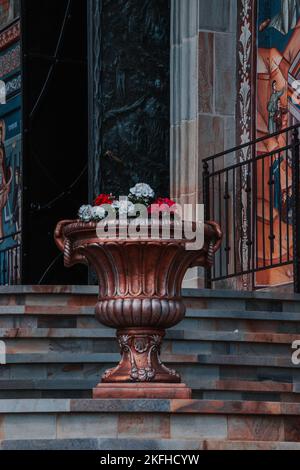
(55,160)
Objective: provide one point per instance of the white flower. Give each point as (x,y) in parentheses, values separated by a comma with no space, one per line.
(85,213)
(124,207)
(98,213)
(142,190)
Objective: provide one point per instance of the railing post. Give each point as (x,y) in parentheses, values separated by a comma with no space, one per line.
(206,202)
(296,209)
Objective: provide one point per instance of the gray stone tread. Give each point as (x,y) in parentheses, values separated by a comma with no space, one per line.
(111,444)
(178,359)
(46,384)
(247,295)
(176,334)
(190,313)
(196,293)
(124,444)
(28,333)
(219,407)
(200,385)
(243,315)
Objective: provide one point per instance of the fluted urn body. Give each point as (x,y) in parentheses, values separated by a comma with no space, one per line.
(139,291)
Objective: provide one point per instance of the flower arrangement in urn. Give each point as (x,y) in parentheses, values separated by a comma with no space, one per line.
(140,281)
(140,194)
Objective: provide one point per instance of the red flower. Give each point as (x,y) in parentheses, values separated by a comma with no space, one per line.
(103,199)
(162,204)
(164,200)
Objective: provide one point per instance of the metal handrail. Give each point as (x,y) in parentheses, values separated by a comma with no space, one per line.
(6,237)
(10,262)
(232,197)
(251,143)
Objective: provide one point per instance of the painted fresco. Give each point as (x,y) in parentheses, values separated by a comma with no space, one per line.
(9,11)
(10,155)
(10,190)
(278,60)
(10,164)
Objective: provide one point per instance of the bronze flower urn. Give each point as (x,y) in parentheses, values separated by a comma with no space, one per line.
(140,296)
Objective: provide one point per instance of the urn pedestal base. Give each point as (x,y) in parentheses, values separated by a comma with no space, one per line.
(140,359)
(142,390)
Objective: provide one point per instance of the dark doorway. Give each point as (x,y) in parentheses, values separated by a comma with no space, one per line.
(55,161)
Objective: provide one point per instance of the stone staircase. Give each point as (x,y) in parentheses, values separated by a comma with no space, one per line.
(147,424)
(233,349)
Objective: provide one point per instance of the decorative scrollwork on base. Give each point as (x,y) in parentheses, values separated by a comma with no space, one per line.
(141,349)
(141,359)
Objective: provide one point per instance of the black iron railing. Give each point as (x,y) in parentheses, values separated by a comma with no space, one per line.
(10,260)
(253,191)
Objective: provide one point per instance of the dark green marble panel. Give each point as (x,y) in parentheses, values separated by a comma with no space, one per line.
(133,95)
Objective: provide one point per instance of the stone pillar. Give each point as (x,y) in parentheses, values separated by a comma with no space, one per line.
(184,105)
(203,92)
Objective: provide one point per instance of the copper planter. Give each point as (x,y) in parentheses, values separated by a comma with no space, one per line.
(139,295)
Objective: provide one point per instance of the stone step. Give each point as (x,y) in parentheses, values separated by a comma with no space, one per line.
(191,373)
(210,376)
(132,444)
(9,334)
(206,320)
(241,300)
(145,444)
(171,359)
(201,385)
(87,348)
(240,325)
(79,291)
(73,296)
(202,389)
(64,340)
(67,311)
(177,420)
(51,333)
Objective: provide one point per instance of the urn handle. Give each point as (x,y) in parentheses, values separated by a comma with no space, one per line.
(65,245)
(213,235)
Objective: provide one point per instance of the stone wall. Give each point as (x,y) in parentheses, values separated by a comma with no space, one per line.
(203,93)
(203,89)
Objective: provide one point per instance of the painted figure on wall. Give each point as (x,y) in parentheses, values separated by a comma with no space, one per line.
(16,206)
(9,10)
(278,49)
(286,19)
(274,109)
(5,179)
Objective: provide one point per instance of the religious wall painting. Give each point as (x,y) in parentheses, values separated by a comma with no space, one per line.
(6,175)
(10,191)
(10,164)
(278,52)
(10,69)
(9,11)
(10,144)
